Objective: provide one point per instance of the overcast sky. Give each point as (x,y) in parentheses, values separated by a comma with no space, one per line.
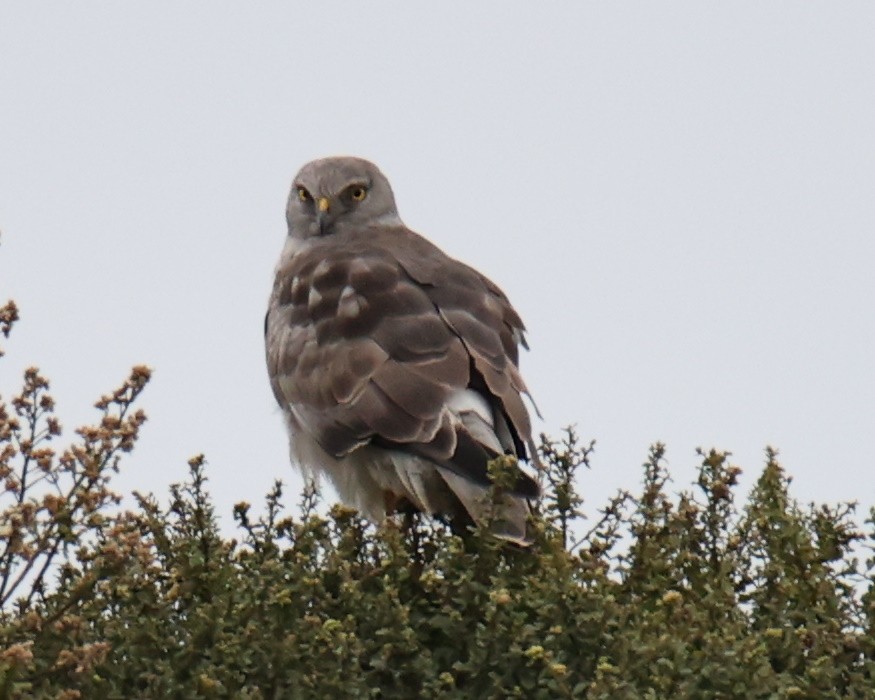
(679,198)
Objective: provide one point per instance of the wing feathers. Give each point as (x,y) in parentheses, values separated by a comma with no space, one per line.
(417,395)
(380,338)
(383,416)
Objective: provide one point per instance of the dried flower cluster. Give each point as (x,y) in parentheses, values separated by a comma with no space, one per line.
(56,498)
(8,317)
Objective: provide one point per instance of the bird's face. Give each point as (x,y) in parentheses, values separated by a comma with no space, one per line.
(336,193)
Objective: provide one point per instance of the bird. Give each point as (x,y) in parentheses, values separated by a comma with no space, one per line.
(396,367)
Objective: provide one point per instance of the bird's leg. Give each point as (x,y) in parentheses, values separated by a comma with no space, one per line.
(395,504)
(390,502)
(409,514)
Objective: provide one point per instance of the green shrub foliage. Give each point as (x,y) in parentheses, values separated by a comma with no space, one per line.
(657,595)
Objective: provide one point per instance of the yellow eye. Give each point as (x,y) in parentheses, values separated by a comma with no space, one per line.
(303,195)
(358,192)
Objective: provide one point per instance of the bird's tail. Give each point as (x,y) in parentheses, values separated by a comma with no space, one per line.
(509,522)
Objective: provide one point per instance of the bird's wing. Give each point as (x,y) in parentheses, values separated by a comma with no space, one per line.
(377,338)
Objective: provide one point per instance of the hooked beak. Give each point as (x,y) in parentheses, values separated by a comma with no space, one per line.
(323,204)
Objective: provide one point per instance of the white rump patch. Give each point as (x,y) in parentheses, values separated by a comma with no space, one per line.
(472,410)
(469,401)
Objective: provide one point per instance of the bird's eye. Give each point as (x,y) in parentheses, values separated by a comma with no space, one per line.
(358,192)
(303,195)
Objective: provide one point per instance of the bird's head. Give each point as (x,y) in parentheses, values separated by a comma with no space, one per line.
(335,193)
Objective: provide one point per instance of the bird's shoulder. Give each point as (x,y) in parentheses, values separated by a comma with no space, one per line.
(394,287)
(391,270)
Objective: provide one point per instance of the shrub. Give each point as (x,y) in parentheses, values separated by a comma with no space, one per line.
(687,596)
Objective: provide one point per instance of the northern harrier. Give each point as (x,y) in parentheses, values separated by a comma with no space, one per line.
(395,365)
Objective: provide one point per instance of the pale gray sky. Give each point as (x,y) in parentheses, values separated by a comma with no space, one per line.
(678,197)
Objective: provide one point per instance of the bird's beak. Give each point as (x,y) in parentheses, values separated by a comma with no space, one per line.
(323,204)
